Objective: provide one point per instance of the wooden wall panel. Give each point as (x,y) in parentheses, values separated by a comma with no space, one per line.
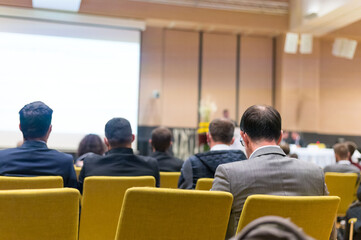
(340,88)
(255,72)
(180,86)
(151,71)
(297,88)
(219,72)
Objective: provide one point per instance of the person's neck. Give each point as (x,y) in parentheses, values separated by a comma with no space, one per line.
(119,146)
(253,146)
(212,144)
(37,139)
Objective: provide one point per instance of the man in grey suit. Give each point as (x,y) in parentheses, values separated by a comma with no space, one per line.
(343,165)
(267,170)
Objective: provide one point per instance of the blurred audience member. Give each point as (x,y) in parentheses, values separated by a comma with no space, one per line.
(161,142)
(293,155)
(33,157)
(203,165)
(352,147)
(226,116)
(120,159)
(286,148)
(90,144)
(296,139)
(343,165)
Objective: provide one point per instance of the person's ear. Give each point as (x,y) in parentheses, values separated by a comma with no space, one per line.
(232,141)
(245,138)
(20,127)
(133,137)
(280,138)
(209,137)
(106,142)
(150,142)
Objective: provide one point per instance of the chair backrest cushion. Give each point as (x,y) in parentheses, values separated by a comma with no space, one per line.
(204,184)
(169,179)
(9,183)
(101,204)
(39,214)
(343,185)
(314,214)
(174,214)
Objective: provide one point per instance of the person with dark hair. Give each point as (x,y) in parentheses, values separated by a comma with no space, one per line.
(119,160)
(161,141)
(342,165)
(90,144)
(33,157)
(352,147)
(203,165)
(268,170)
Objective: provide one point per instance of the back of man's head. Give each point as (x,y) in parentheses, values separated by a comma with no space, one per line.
(341,151)
(221,130)
(35,120)
(118,132)
(261,122)
(161,139)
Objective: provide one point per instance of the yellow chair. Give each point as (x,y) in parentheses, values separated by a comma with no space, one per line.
(156,213)
(9,183)
(343,185)
(204,184)
(101,204)
(169,179)
(77,171)
(39,214)
(315,215)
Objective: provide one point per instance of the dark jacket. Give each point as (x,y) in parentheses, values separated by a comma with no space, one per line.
(34,158)
(166,162)
(118,162)
(204,165)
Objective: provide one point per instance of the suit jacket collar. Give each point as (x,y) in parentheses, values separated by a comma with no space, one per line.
(34,144)
(120,150)
(272,149)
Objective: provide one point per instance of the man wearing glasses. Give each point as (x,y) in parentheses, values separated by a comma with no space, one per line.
(268,170)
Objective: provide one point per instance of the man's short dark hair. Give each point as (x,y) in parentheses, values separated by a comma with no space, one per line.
(261,122)
(161,139)
(222,130)
(35,120)
(341,150)
(118,132)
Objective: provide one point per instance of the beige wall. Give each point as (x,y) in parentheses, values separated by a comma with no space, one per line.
(256,55)
(170,64)
(340,92)
(219,72)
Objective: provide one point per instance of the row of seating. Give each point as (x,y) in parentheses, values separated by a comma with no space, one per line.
(147,212)
(102,202)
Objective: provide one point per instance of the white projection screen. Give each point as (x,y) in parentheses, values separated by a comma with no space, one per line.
(86,74)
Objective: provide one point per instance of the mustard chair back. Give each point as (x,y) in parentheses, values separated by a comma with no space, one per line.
(343,185)
(101,204)
(77,171)
(204,184)
(315,215)
(156,213)
(169,179)
(9,183)
(39,214)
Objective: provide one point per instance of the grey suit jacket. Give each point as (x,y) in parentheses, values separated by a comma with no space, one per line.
(268,171)
(342,168)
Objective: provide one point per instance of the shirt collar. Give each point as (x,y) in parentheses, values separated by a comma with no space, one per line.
(220,147)
(345,162)
(260,148)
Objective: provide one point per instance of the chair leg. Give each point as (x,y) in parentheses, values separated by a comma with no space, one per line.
(351,222)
